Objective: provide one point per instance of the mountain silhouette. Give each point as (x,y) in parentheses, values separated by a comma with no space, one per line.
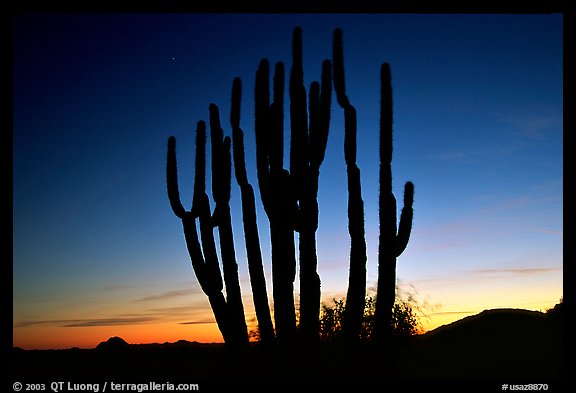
(113,344)
(497,344)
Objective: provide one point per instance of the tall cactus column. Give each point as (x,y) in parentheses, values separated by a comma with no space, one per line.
(277,196)
(393,240)
(253,251)
(229,311)
(221,179)
(204,258)
(309,137)
(355,297)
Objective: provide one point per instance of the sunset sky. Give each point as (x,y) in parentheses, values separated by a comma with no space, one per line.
(97,251)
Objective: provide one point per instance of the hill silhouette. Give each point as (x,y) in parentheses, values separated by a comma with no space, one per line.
(112,344)
(496,344)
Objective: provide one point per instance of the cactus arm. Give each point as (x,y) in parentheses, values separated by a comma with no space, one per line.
(405,225)
(298,119)
(262,124)
(199,168)
(218,167)
(238,134)
(235,103)
(338,64)
(201,208)
(205,264)
(314,126)
(172,180)
(276,140)
(319,128)
(386,122)
(350,125)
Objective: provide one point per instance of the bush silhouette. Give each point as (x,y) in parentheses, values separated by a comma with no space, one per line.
(405,321)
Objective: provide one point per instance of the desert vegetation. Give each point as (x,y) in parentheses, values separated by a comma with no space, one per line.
(289,196)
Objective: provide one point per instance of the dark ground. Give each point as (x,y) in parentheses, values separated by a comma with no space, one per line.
(493,347)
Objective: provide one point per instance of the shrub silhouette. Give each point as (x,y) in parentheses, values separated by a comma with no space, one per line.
(405,321)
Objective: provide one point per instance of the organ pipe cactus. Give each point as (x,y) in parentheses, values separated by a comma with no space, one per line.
(355,297)
(221,178)
(309,137)
(290,198)
(277,195)
(228,312)
(393,240)
(253,251)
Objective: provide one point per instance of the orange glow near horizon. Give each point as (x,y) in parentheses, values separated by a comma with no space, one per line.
(179,315)
(57,337)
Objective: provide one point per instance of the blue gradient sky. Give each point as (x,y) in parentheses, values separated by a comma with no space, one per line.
(97,250)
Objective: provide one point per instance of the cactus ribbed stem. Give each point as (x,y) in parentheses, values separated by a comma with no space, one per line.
(393,239)
(253,251)
(355,296)
(277,197)
(309,135)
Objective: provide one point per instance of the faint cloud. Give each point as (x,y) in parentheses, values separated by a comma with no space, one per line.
(522,271)
(536,123)
(548,231)
(111,322)
(548,194)
(196,322)
(465,278)
(439,313)
(168,295)
(179,309)
(474,154)
(41,322)
(196,310)
(88,322)
(445,236)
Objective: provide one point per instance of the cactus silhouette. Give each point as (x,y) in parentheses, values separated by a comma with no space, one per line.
(392,240)
(309,137)
(355,297)
(228,312)
(277,195)
(221,178)
(290,200)
(253,251)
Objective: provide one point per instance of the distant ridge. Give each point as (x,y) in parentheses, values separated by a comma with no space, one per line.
(113,343)
(118,343)
(495,343)
(510,318)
